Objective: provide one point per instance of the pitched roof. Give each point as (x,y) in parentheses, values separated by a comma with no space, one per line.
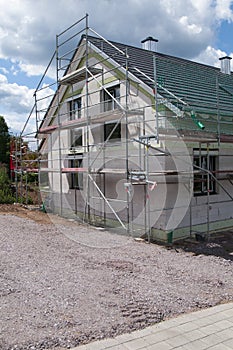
(204,88)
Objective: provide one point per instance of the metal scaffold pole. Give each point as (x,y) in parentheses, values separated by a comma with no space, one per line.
(129,197)
(156,100)
(59,127)
(87,204)
(208,191)
(37,147)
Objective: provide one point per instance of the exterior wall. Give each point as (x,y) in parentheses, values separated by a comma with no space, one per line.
(215,212)
(165,208)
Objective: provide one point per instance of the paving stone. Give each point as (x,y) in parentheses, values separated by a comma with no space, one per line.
(136,344)
(225,334)
(223,324)
(144,332)
(117,347)
(106,343)
(125,337)
(220,316)
(95,346)
(156,337)
(194,335)
(205,321)
(211,339)
(171,323)
(229,313)
(210,329)
(195,345)
(178,341)
(187,327)
(229,342)
(220,347)
(159,346)
(212,310)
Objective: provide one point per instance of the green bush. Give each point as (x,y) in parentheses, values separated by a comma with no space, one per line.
(6,195)
(31,178)
(6,198)
(24,200)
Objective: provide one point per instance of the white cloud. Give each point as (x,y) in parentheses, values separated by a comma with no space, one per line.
(17,102)
(210,56)
(14,69)
(203,7)
(3,79)
(4,70)
(29,28)
(191,28)
(15,97)
(35,70)
(223,10)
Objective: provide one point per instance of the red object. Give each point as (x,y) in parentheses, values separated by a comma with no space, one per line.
(12,161)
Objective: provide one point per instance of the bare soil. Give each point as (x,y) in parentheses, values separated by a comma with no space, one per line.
(63,283)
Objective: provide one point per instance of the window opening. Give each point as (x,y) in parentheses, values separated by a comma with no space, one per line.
(200,179)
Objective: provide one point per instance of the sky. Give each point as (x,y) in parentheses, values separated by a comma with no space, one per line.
(199,30)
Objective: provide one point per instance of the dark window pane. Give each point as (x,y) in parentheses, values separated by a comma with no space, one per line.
(75,109)
(201,179)
(76,178)
(76,138)
(113,130)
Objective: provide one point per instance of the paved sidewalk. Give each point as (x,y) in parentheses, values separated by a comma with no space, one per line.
(206,329)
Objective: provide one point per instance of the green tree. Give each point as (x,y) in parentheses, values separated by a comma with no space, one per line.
(4,142)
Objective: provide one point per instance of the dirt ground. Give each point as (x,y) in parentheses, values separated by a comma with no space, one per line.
(22,211)
(63,283)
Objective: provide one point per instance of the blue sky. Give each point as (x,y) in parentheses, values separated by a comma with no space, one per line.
(224,37)
(200,30)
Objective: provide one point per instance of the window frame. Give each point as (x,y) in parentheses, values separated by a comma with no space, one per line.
(107,101)
(75,108)
(76,138)
(201,178)
(116,135)
(76,178)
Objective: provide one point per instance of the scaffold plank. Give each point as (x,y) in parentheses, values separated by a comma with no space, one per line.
(78,75)
(74,170)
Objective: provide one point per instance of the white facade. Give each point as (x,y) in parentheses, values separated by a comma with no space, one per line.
(112,155)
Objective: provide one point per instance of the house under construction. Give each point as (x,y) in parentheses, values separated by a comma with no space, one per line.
(135,140)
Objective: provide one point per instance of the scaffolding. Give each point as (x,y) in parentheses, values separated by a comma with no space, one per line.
(24,170)
(92,136)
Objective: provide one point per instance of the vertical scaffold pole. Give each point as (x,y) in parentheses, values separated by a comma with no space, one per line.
(156,100)
(16,168)
(21,167)
(88,125)
(37,147)
(129,198)
(208,191)
(218,111)
(59,127)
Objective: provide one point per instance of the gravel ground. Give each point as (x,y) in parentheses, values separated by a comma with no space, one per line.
(68,284)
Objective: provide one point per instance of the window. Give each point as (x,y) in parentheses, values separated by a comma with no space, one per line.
(108,102)
(76,138)
(201,178)
(114,130)
(76,178)
(75,108)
